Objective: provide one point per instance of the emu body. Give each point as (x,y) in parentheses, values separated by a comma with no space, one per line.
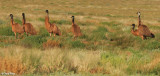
(28,27)
(142,31)
(16,28)
(51,28)
(75,29)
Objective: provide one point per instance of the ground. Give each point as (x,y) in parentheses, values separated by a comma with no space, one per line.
(107,46)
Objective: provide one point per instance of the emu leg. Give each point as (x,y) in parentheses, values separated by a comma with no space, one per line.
(20,36)
(75,37)
(143,37)
(50,34)
(54,35)
(27,33)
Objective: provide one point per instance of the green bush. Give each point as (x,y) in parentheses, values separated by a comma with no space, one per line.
(33,41)
(43,32)
(77,44)
(6,31)
(17,21)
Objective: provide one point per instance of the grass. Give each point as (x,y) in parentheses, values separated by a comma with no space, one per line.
(33,41)
(6,31)
(129,62)
(107,46)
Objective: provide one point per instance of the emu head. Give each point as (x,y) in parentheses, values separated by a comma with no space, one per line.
(23,14)
(46,11)
(11,15)
(138,13)
(133,25)
(72,16)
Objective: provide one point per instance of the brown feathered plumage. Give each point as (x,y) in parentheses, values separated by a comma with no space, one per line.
(51,28)
(75,29)
(16,28)
(142,31)
(133,31)
(29,29)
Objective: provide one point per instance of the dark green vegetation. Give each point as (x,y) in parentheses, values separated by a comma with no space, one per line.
(109,36)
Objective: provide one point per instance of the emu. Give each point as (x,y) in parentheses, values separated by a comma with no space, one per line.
(16,28)
(28,27)
(142,31)
(51,28)
(75,29)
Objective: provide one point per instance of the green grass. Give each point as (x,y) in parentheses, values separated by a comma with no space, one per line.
(33,41)
(17,21)
(6,31)
(77,44)
(107,47)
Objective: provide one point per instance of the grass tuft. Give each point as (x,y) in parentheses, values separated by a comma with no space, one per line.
(33,41)
(18,21)
(77,44)
(99,33)
(6,31)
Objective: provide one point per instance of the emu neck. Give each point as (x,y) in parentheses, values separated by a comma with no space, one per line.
(24,20)
(47,24)
(11,20)
(47,19)
(139,21)
(72,21)
(133,28)
(134,32)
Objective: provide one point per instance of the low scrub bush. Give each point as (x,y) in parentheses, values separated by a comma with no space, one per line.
(6,31)
(33,41)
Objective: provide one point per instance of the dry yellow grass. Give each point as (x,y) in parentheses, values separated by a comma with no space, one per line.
(12,65)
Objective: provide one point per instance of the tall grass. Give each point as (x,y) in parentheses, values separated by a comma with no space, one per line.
(35,61)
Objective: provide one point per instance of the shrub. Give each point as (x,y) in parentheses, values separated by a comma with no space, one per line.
(6,31)
(43,32)
(77,44)
(18,21)
(33,41)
